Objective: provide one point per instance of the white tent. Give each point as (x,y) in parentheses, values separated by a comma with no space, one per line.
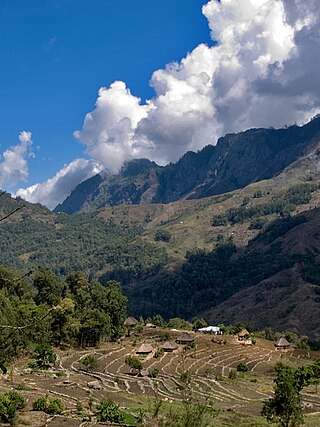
(210,329)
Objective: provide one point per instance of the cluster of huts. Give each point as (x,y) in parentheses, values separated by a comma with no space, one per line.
(168,346)
(243,337)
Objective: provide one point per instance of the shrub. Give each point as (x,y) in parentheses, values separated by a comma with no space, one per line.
(242,367)
(162,235)
(89,362)
(158,353)
(107,410)
(133,362)
(10,403)
(49,406)
(153,373)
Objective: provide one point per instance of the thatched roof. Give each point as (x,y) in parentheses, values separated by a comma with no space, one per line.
(185,337)
(130,321)
(169,346)
(144,349)
(282,342)
(243,333)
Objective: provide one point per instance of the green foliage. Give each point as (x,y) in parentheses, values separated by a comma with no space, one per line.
(45,356)
(89,362)
(198,323)
(178,323)
(232,374)
(153,372)
(109,411)
(89,244)
(162,235)
(285,407)
(242,367)
(158,353)
(10,403)
(297,195)
(84,313)
(133,362)
(49,406)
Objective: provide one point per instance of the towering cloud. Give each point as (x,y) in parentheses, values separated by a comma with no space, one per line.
(14,165)
(260,71)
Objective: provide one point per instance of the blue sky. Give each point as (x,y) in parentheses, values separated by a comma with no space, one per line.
(88,85)
(56,54)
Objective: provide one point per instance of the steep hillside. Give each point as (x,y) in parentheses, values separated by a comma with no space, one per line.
(286,300)
(189,257)
(236,161)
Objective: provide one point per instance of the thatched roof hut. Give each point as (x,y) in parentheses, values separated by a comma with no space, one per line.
(130,321)
(169,346)
(243,334)
(144,349)
(283,344)
(184,338)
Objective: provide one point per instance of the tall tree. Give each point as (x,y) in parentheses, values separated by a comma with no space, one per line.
(285,407)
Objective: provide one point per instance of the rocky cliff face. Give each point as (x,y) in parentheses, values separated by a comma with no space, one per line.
(236,161)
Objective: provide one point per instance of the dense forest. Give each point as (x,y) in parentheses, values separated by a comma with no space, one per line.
(40,308)
(70,243)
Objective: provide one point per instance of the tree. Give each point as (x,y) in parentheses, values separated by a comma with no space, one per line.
(133,362)
(45,356)
(285,407)
(107,410)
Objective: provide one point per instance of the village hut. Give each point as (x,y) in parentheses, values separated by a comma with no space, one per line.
(131,322)
(185,338)
(169,346)
(283,344)
(144,349)
(243,334)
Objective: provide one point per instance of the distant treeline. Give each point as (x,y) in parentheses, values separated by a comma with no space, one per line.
(283,204)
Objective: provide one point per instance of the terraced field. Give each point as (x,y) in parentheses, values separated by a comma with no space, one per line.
(209,365)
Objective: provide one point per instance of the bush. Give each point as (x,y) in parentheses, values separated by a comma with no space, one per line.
(153,373)
(162,235)
(89,362)
(107,410)
(242,367)
(49,406)
(158,353)
(10,403)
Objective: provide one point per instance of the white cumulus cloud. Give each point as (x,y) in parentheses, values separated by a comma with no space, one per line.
(56,189)
(14,165)
(261,71)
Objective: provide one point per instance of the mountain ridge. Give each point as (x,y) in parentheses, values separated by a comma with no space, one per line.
(235,162)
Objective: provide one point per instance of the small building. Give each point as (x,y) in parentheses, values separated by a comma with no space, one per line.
(282,344)
(243,335)
(210,330)
(169,346)
(150,325)
(131,322)
(144,349)
(185,338)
